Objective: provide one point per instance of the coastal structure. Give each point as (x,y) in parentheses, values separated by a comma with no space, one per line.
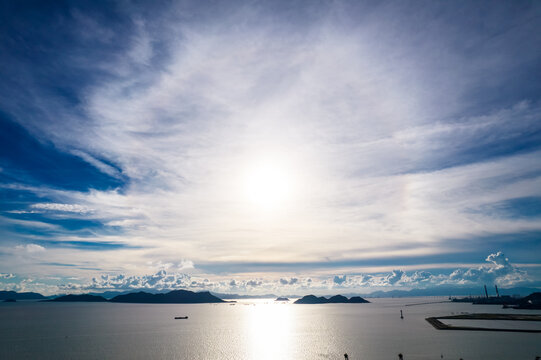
(439,325)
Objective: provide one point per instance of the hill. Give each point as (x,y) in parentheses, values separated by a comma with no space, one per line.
(172,297)
(531,302)
(78,298)
(337,299)
(4,295)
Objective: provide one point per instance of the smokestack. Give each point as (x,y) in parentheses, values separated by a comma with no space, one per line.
(497,292)
(486,292)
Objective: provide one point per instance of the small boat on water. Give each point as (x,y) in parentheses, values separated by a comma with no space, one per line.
(180,317)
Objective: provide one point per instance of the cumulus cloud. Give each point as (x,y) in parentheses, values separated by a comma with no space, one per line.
(291,281)
(254,283)
(497,270)
(158,281)
(420,276)
(394,277)
(500,270)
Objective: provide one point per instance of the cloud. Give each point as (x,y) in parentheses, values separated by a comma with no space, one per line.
(30,248)
(185,265)
(74,208)
(158,281)
(291,281)
(100,165)
(386,140)
(420,276)
(500,271)
(254,283)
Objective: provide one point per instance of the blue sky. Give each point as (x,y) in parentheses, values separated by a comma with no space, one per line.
(257,147)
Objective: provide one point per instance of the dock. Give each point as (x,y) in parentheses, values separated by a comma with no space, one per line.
(437,324)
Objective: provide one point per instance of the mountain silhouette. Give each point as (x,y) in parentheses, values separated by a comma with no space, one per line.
(172,297)
(336,299)
(78,298)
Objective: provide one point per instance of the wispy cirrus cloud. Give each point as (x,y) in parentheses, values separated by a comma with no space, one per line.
(75,208)
(30,248)
(389,131)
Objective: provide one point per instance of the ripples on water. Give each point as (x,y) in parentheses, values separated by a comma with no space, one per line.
(259,329)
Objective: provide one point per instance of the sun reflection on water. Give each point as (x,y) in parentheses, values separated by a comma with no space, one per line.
(270,331)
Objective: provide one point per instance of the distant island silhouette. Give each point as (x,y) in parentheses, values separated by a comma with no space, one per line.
(5,295)
(77,298)
(530,302)
(172,297)
(337,299)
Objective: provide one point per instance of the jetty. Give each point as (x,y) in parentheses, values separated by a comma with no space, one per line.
(439,325)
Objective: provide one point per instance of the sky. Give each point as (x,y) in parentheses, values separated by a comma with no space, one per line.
(254,147)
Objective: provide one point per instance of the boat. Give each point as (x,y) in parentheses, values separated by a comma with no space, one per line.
(180,317)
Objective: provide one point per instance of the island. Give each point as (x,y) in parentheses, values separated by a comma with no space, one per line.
(77,298)
(281,299)
(337,299)
(5,295)
(530,302)
(172,297)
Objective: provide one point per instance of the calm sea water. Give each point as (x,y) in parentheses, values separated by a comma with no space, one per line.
(251,330)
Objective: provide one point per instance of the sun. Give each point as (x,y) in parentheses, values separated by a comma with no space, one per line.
(268,185)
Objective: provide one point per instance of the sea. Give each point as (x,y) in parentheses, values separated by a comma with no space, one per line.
(254,330)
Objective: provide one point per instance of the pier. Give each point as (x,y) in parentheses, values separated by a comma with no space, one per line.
(437,324)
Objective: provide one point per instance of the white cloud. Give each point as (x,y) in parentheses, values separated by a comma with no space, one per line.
(500,271)
(74,208)
(100,165)
(30,248)
(160,280)
(372,129)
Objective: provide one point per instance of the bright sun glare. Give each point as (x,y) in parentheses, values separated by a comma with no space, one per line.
(268,185)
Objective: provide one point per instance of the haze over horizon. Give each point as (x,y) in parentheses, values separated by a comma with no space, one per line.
(283,147)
